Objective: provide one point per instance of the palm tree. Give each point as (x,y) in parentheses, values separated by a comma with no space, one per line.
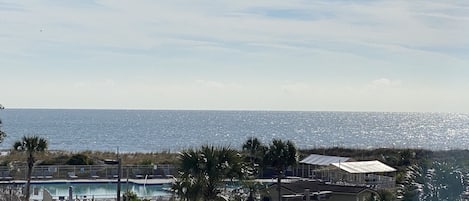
(252,145)
(2,134)
(202,172)
(190,173)
(255,153)
(280,156)
(30,145)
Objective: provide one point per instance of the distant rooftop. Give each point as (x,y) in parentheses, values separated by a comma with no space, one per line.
(364,167)
(323,160)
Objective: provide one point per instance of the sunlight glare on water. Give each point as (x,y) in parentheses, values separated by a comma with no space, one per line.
(167,130)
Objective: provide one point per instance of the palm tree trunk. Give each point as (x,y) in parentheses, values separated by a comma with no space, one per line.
(251,192)
(279,183)
(30,170)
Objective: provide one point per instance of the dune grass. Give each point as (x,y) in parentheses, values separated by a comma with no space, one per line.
(398,158)
(96,157)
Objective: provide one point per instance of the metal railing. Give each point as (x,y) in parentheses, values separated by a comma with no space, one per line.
(48,172)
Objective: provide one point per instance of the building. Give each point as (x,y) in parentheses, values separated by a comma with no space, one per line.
(307,166)
(345,171)
(317,190)
(370,173)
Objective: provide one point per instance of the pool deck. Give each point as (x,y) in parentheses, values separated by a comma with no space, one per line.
(135,181)
(159,181)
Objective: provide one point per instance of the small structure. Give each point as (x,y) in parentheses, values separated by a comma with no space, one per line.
(297,191)
(371,173)
(315,161)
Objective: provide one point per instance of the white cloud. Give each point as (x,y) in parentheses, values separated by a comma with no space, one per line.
(327,53)
(385,82)
(210,84)
(80,84)
(296,87)
(205,94)
(106,83)
(149,24)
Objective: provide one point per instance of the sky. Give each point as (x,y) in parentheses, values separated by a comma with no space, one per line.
(334,55)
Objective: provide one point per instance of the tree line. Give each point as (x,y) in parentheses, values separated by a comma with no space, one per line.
(203,171)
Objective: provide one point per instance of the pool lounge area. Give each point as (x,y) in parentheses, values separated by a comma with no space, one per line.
(96,189)
(90,181)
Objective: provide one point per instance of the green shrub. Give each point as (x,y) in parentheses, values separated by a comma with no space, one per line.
(79,159)
(131,196)
(146,162)
(61,159)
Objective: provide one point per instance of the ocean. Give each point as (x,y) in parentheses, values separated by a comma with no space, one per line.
(175,130)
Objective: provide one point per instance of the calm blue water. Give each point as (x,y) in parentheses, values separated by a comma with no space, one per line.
(150,131)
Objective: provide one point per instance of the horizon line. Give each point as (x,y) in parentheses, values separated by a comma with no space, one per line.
(227,110)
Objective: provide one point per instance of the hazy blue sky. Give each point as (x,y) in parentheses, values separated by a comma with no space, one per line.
(257,55)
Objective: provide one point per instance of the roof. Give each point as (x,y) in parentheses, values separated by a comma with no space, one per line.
(316,159)
(364,167)
(300,186)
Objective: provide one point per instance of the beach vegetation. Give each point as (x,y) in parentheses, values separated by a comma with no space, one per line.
(202,172)
(254,153)
(132,196)
(51,158)
(58,157)
(383,195)
(2,134)
(133,158)
(281,155)
(10,192)
(408,162)
(79,159)
(30,145)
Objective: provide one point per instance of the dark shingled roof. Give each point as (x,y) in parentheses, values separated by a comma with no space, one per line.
(300,186)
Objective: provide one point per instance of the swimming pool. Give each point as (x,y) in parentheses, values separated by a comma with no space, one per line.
(101,189)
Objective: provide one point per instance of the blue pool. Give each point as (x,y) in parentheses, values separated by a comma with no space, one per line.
(101,189)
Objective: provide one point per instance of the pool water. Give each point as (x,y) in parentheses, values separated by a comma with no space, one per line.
(102,189)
